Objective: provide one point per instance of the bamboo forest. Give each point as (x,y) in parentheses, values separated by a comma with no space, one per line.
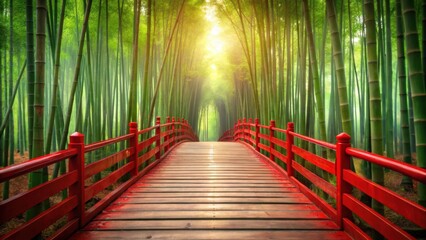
(212,68)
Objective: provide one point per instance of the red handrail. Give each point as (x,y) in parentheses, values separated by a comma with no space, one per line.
(74,180)
(346,179)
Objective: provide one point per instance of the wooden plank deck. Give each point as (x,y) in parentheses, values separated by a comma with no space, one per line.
(212,191)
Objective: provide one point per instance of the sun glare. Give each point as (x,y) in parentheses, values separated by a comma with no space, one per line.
(214,43)
(215,30)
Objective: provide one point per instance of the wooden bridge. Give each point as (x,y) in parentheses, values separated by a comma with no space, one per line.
(165,185)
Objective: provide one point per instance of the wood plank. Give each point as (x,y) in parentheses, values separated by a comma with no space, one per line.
(213,194)
(283,185)
(117,207)
(218,181)
(212,234)
(213,200)
(215,224)
(248,177)
(212,191)
(130,215)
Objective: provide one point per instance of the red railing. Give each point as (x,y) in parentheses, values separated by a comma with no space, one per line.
(121,169)
(343,203)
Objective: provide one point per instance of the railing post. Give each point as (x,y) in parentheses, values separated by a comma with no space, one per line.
(133,129)
(184,128)
(238,129)
(244,129)
(250,121)
(342,187)
(173,131)
(179,129)
(271,144)
(290,155)
(256,136)
(158,134)
(166,138)
(77,163)
(235,136)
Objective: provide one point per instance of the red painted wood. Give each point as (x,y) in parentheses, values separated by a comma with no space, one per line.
(146,143)
(66,231)
(279,155)
(151,153)
(166,144)
(354,231)
(280,130)
(271,144)
(256,136)
(32,228)
(107,162)
(313,140)
(132,153)
(316,180)
(146,130)
(17,170)
(410,210)
(108,199)
(193,186)
(252,133)
(278,142)
(343,162)
(104,143)
(20,203)
(77,163)
(74,206)
(374,219)
(344,152)
(412,171)
(95,188)
(168,132)
(318,161)
(319,202)
(290,154)
(263,147)
(264,136)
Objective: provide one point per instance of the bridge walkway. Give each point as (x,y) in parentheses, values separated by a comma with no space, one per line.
(212,190)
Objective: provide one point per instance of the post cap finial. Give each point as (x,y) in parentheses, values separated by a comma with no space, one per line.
(343,138)
(272,123)
(77,138)
(133,125)
(158,120)
(256,120)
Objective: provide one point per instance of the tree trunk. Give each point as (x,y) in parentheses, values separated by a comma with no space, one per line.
(36,177)
(132,112)
(375,102)
(340,67)
(315,74)
(418,88)
(407,183)
(76,76)
(53,103)
(30,73)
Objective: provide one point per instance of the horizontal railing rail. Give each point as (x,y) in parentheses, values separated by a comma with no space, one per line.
(90,185)
(335,179)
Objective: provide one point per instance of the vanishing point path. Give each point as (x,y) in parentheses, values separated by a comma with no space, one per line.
(212,190)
